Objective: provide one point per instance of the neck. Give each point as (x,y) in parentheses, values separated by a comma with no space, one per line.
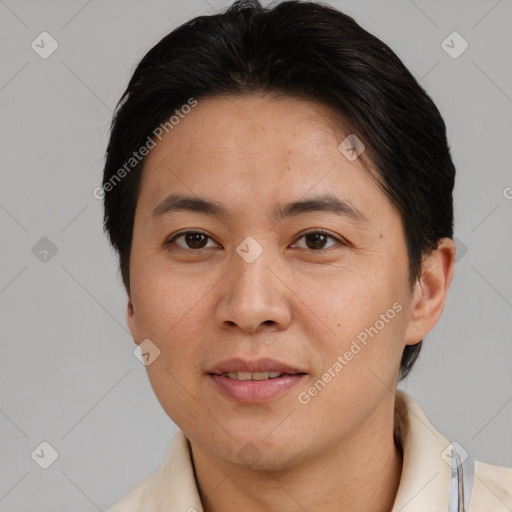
(359,474)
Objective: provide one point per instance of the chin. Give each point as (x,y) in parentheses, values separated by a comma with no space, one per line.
(261,452)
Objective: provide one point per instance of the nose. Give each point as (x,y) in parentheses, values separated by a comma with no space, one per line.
(255,296)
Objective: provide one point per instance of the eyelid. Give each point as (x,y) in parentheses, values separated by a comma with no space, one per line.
(300,235)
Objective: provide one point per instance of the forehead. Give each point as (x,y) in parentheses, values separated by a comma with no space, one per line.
(257,150)
(255,124)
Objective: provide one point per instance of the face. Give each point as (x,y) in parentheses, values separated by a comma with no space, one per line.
(319,295)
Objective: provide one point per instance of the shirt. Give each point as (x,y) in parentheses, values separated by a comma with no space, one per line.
(431,479)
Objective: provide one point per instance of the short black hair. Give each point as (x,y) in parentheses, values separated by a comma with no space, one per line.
(303,49)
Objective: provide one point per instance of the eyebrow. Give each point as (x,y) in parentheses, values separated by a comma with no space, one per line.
(323,203)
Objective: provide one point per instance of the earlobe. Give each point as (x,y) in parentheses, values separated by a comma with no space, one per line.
(429,295)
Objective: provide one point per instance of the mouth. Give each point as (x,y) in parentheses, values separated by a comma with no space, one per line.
(249,390)
(257,368)
(254,382)
(256,375)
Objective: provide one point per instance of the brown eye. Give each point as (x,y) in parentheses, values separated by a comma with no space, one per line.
(316,240)
(195,240)
(192,240)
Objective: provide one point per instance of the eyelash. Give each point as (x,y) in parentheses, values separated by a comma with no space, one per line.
(168,242)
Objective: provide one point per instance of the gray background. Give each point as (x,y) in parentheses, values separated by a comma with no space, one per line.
(68,372)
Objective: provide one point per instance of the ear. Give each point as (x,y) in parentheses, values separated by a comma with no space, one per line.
(131,320)
(429,294)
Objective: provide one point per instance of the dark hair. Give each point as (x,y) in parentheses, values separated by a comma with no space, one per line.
(303,49)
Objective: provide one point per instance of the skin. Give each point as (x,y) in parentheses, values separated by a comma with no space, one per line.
(203,303)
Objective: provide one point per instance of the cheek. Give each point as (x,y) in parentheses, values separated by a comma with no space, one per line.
(167,302)
(174,390)
(173,316)
(349,304)
(362,318)
(360,361)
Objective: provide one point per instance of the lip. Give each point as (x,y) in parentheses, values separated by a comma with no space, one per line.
(255,391)
(259,365)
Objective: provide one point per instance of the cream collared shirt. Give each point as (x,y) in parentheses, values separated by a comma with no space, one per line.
(427,483)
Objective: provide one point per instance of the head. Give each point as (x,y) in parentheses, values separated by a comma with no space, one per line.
(246,112)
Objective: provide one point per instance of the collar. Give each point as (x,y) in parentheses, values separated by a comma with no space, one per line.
(426,474)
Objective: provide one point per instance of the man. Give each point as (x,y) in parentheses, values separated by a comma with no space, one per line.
(279,190)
